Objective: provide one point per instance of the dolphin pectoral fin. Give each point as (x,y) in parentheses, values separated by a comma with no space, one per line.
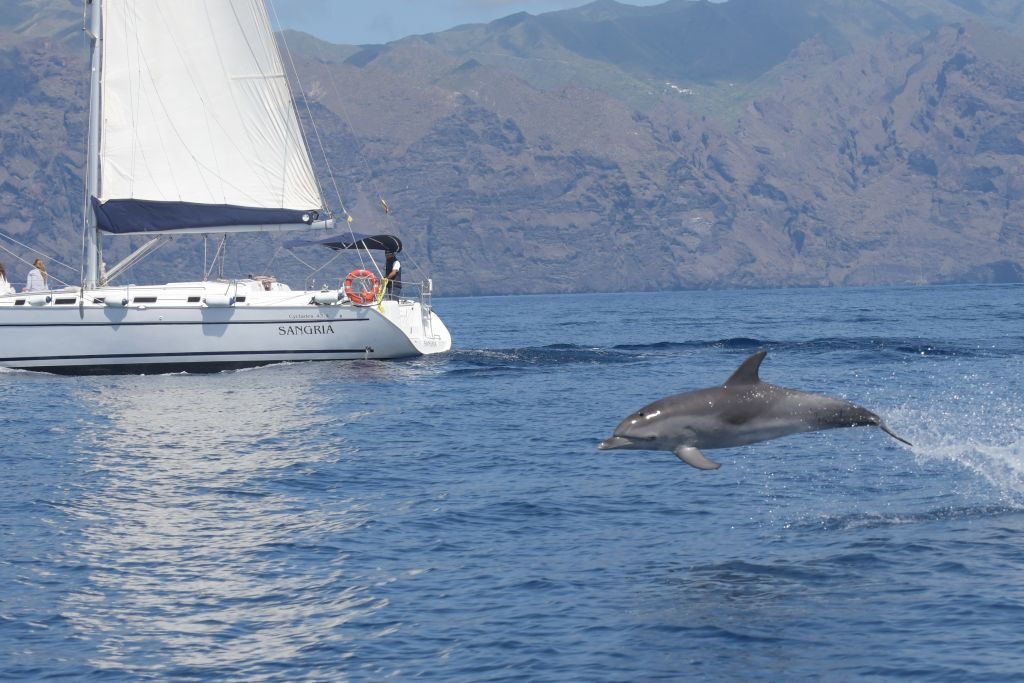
(694,458)
(881,425)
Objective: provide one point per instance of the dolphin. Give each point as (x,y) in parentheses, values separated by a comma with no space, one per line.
(742,411)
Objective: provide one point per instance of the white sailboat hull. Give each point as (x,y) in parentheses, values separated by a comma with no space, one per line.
(175,334)
(204,139)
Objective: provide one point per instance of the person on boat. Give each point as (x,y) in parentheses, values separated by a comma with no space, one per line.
(393,270)
(36,277)
(5,286)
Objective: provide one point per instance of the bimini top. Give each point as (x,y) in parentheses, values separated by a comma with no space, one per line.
(351,241)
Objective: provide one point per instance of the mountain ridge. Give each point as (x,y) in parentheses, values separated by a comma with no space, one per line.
(867,147)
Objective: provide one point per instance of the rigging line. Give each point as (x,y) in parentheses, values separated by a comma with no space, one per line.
(200,166)
(388,219)
(316,131)
(313,271)
(231,93)
(359,148)
(139,259)
(309,110)
(48,275)
(134,81)
(88,165)
(348,122)
(136,75)
(36,251)
(273,257)
(177,133)
(213,263)
(85,220)
(311,268)
(287,99)
(329,262)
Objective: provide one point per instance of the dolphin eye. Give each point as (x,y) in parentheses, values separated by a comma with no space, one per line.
(640,414)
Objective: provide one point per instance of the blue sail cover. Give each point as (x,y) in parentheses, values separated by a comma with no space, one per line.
(121,216)
(353,240)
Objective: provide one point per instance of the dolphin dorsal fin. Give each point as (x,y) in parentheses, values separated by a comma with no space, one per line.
(747,373)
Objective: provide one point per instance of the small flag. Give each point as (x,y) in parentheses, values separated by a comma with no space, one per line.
(349,218)
(384,205)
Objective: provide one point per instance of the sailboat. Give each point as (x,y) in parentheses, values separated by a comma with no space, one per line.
(192,129)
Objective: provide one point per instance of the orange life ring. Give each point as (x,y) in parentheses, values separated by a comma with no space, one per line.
(366,296)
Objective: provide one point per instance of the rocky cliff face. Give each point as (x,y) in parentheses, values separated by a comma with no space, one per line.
(42,133)
(686,145)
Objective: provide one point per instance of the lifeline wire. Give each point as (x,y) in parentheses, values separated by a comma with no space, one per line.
(36,251)
(52,277)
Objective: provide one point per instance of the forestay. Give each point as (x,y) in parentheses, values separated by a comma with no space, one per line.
(198,127)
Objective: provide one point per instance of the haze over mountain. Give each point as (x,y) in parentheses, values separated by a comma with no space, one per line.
(614,147)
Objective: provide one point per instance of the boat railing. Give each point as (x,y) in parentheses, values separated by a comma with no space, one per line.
(413,292)
(426,294)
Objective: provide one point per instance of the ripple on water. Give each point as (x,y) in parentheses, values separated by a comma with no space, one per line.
(449,518)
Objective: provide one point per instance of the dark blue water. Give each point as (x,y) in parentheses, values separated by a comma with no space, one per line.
(450,518)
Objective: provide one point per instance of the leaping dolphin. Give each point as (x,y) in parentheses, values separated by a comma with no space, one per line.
(742,411)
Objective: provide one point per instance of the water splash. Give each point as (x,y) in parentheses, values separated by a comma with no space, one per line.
(982,431)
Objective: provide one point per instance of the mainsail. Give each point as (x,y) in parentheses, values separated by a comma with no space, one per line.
(198,131)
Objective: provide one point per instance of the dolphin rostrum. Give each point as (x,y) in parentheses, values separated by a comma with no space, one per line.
(742,411)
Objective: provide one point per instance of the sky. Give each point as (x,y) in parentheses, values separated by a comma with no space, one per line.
(379,21)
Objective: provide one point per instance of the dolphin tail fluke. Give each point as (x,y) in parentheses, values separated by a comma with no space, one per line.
(694,458)
(881,425)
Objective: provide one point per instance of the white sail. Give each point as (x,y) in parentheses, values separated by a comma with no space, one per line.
(197,126)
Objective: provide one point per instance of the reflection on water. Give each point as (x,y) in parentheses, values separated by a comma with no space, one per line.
(192,534)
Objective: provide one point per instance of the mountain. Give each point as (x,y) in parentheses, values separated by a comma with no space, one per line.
(59,19)
(613,147)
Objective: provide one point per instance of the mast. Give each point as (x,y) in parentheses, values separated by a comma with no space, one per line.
(92,237)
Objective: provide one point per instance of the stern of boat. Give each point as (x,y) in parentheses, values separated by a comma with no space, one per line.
(418,321)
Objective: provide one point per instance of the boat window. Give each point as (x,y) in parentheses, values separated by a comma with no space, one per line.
(239,299)
(144,300)
(64,302)
(193,299)
(19,302)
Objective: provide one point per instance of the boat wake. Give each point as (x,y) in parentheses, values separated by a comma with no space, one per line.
(474,360)
(19,371)
(878,520)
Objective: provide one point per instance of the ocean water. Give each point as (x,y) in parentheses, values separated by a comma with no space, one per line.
(449,518)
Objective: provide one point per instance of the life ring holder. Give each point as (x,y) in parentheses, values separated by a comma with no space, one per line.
(367,296)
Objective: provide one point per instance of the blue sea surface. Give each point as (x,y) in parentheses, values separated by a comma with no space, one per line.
(449,518)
